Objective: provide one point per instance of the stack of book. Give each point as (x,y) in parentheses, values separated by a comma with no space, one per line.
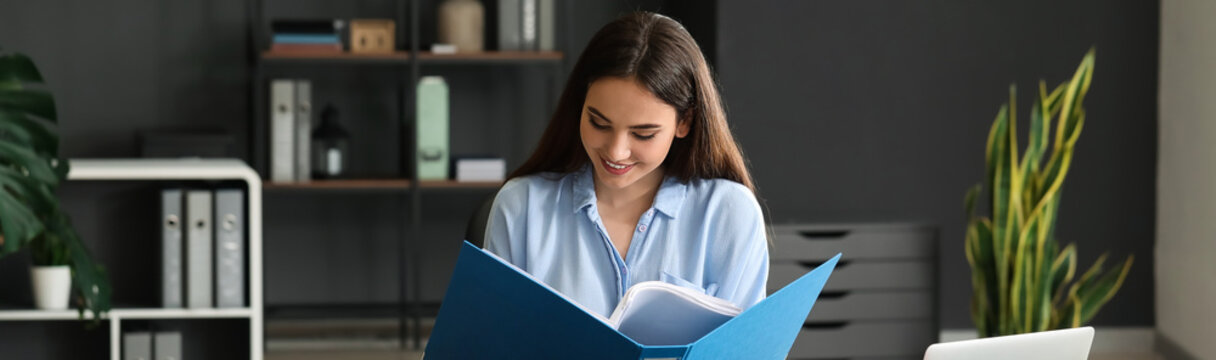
(306,36)
(479,169)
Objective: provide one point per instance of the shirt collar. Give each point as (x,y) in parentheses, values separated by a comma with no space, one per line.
(584,189)
(670,197)
(668,200)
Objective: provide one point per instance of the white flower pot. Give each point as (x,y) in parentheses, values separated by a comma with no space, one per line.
(52,286)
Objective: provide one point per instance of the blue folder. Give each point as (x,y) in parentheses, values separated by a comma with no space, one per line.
(493,310)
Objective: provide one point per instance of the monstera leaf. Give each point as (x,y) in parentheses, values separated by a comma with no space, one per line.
(30,171)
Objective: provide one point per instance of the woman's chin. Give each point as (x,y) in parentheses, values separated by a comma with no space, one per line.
(614,181)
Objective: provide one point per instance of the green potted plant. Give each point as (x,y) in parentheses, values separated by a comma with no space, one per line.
(1022,281)
(30,172)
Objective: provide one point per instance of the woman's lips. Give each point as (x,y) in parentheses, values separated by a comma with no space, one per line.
(615,170)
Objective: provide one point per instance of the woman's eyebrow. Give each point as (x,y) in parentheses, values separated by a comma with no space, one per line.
(598,114)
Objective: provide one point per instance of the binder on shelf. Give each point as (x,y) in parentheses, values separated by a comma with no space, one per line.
(167,345)
(230,248)
(303,130)
(510,31)
(547,26)
(432,131)
(171,248)
(493,308)
(198,249)
(137,345)
(282,130)
(528,25)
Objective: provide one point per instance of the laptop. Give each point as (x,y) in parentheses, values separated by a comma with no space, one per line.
(1066,344)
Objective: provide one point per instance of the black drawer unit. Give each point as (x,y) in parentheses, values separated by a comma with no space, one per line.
(881,301)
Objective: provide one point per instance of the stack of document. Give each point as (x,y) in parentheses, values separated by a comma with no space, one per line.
(659,313)
(480,169)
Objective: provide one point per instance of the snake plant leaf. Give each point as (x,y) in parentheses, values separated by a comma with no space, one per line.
(1021,289)
(1086,76)
(969,200)
(987,250)
(1044,285)
(999,183)
(1076,90)
(1038,137)
(21,130)
(1094,294)
(1075,311)
(34,102)
(16,69)
(979,304)
(1063,269)
(1051,101)
(1021,278)
(984,296)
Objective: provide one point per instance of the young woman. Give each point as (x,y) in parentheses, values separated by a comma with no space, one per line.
(636,178)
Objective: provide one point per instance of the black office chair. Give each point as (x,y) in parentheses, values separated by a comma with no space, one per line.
(475,232)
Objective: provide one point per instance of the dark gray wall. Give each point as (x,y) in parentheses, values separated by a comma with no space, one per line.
(879,111)
(118,67)
(885,104)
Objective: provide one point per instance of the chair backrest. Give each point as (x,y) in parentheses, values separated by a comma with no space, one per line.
(475,231)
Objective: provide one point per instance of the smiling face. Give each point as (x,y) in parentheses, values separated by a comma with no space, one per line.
(627,132)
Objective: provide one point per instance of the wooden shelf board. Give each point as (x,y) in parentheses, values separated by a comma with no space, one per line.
(425,56)
(493,56)
(354,184)
(379,184)
(451,184)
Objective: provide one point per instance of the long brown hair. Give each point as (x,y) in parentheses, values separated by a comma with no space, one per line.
(660,55)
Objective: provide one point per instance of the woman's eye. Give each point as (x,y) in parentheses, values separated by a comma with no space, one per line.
(644,137)
(597,125)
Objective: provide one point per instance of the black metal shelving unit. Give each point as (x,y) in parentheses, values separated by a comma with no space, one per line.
(408,56)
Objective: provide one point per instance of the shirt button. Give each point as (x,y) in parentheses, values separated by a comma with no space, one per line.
(642,227)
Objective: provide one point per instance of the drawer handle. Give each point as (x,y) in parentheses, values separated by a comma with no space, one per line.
(833,295)
(833,325)
(814,264)
(823,234)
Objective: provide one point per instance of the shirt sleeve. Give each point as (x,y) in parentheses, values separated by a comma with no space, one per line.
(742,248)
(504,231)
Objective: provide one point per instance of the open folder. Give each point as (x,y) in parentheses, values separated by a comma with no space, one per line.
(493,310)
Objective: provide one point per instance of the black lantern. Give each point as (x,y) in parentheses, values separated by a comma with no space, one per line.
(330,146)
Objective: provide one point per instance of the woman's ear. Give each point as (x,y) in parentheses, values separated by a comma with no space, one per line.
(684,125)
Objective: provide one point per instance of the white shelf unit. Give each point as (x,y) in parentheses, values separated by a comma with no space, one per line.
(175,169)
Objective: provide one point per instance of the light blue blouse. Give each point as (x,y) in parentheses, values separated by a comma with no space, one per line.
(706,234)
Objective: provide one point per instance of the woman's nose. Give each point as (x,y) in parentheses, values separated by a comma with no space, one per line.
(618,148)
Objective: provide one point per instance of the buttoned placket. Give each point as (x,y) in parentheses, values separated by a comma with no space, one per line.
(640,237)
(620,270)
